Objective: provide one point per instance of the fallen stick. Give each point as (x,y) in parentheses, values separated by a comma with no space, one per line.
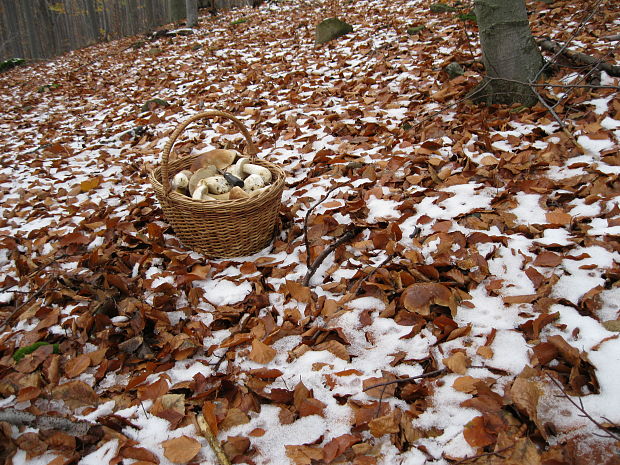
(21,418)
(205,429)
(315,265)
(579,58)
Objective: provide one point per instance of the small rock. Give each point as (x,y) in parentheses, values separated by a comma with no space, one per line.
(454,70)
(330,29)
(441,8)
(415,29)
(150,105)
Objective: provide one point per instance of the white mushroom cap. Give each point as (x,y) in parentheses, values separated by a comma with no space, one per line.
(181,180)
(253,182)
(202,173)
(264,173)
(221,158)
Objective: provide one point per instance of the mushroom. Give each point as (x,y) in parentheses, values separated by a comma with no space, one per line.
(258,191)
(221,158)
(216,184)
(237,193)
(180,181)
(264,173)
(253,182)
(237,168)
(202,193)
(202,173)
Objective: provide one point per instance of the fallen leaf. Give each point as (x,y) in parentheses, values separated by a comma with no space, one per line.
(261,352)
(77,365)
(457,363)
(418,297)
(181,449)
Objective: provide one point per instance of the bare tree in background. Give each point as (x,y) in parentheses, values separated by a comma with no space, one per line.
(191,7)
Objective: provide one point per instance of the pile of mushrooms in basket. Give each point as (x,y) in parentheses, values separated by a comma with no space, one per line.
(222,174)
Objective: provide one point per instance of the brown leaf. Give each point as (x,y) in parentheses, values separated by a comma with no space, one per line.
(336,348)
(261,352)
(547,259)
(418,297)
(77,365)
(304,455)
(181,449)
(298,291)
(236,445)
(154,390)
(234,417)
(32,444)
(457,363)
(568,352)
(485,352)
(28,393)
(174,402)
(76,394)
(385,390)
(338,446)
(476,435)
(387,424)
(309,407)
(138,453)
(90,184)
(465,384)
(525,394)
(558,217)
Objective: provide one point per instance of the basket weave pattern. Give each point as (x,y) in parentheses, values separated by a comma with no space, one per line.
(222,228)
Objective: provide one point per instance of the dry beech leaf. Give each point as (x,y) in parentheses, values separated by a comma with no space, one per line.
(304,455)
(547,259)
(138,453)
(76,394)
(77,365)
(298,291)
(476,434)
(90,184)
(558,217)
(181,449)
(261,352)
(465,384)
(336,348)
(485,352)
(457,363)
(387,424)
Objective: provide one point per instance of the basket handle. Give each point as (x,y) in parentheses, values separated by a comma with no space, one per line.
(250,149)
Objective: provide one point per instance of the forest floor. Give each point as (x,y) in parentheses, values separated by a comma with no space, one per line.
(478,278)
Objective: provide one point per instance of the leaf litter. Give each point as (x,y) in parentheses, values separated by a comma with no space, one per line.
(481,255)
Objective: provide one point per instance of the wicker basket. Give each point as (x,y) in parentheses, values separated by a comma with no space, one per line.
(224,228)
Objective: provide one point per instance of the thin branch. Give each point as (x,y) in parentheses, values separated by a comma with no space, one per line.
(22,418)
(486,454)
(406,380)
(584,412)
(315,265)
(308,213)
(578,57)
(557,118)
(573,35)
(612,38)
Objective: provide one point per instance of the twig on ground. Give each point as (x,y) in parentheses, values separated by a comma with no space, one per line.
(19,308)
(315,265)
(612,38)
(205,429)
(406,380)
(400,380)
(557,118)
(308,213)
(485,454)
(584,413)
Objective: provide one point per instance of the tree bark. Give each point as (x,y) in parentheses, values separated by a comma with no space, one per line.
(192,12)
(508,51)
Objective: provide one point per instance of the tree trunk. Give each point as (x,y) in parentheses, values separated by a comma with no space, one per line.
(508,51)
(192,12)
